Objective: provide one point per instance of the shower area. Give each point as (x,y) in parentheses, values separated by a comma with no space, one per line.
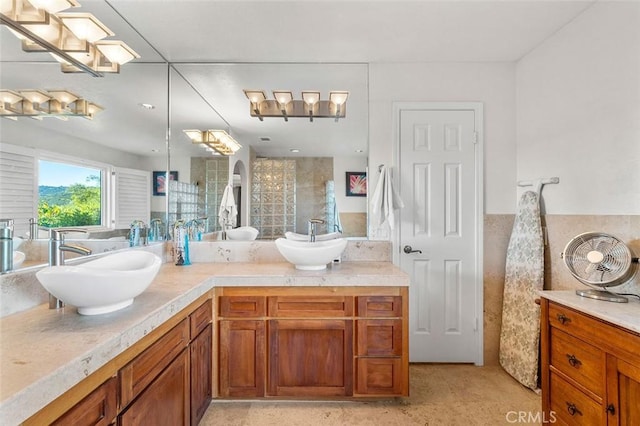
(287,192)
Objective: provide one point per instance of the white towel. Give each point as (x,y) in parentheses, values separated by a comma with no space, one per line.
(385,200)
(228,212)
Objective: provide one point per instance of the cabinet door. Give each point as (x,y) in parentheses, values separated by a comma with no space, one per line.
(623,385)
(97,409)
(242,357)
(166,400)
(201,350)
(310,357)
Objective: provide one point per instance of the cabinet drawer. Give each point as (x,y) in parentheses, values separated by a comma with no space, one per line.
(200,318)
(310,306)
(379,306)
(139,373)
(573,407)
(582,362)
(97,409)
(242,306)
(379,337)
(380,377)
(572,322)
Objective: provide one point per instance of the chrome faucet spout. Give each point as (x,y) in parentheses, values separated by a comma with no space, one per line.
(57,247)
(75,248)
(313,229)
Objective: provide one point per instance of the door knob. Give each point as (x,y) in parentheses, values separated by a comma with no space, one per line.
(409,250)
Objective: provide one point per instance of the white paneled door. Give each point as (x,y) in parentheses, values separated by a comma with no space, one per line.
(440,231)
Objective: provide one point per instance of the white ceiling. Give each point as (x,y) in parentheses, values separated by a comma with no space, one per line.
(298,45)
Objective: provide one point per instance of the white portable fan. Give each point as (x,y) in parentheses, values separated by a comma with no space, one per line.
(600,261)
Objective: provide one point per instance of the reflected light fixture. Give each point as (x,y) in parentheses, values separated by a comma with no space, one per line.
(76,40)
(218,142)
(284,106)
(39,104)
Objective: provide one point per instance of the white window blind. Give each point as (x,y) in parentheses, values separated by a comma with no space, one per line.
(132,189)
(18,192)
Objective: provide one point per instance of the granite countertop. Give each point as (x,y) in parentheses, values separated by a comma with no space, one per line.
(625,315)
(43,352)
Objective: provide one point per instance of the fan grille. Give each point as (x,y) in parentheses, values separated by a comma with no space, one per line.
(598,259)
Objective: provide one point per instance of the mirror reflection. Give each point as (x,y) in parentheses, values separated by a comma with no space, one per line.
(285,173)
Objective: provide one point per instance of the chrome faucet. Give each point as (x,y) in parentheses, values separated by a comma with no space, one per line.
(312,229)
(57,247)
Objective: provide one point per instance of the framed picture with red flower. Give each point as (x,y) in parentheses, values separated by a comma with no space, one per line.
(356,184)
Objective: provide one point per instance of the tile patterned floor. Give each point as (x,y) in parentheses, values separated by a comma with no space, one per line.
(440,394)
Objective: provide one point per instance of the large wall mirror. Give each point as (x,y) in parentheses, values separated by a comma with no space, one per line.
(149,96)
(287,171)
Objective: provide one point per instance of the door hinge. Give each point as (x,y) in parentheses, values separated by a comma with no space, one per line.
(475,137)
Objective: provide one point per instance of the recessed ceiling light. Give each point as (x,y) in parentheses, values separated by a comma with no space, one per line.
(359,150)
(294,150)
(146,106)
(265,139)
(155,150)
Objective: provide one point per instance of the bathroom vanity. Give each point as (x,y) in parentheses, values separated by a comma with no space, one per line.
(210,330)
(590,360)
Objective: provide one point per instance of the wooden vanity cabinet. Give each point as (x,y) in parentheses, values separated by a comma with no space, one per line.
(165,378)
(590,369)
(312,342)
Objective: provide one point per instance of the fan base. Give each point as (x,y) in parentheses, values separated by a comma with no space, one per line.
(606,296)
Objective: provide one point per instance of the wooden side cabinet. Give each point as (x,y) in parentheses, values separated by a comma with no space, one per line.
(623,384)
(590,369)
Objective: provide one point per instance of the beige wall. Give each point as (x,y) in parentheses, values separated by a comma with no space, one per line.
(560,229)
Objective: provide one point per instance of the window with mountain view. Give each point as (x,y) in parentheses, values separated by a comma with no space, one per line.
(69,195)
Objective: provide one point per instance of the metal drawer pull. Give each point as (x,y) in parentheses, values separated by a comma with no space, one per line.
(575,362)
(563,318)
(573,410)
(611,409)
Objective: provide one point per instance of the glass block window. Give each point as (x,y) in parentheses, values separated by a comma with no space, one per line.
(273,197)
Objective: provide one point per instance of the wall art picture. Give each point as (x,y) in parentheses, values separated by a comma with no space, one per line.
(356,184)
(160,181)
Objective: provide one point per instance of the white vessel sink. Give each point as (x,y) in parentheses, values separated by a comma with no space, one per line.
(311,256)
(102,285)
(18,258)
(304,237)
(243,233)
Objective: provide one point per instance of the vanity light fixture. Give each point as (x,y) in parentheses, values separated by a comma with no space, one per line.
(39,104)
(284,106)
(219,142)
(77,40)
